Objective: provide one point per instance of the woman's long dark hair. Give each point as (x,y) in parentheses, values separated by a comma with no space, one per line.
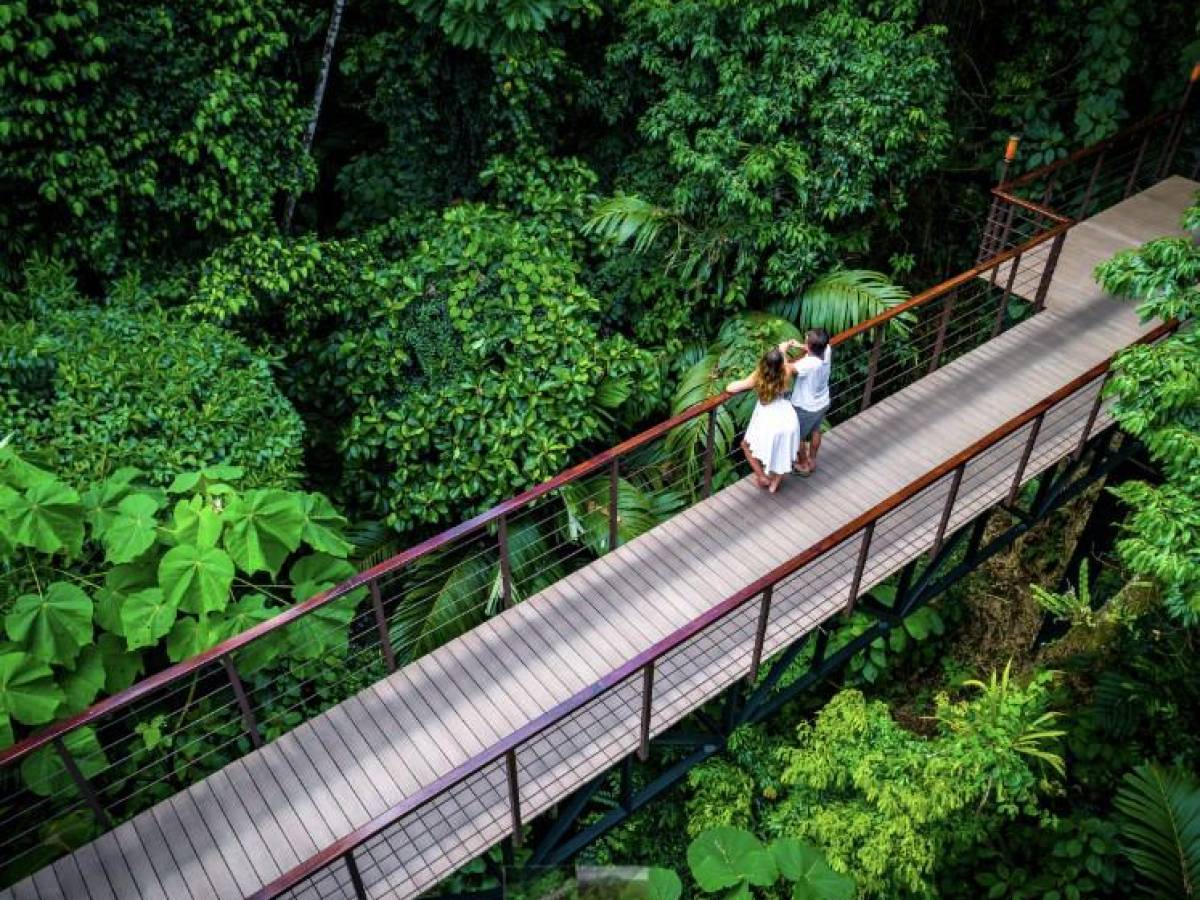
(770,377)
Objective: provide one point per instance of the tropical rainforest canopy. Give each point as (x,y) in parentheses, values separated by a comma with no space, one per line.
(288,285)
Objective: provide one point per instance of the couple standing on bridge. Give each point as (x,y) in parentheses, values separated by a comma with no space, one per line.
(784,433)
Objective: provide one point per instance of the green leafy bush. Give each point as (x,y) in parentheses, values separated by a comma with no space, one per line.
(141,130)
(90,390)
(99,584)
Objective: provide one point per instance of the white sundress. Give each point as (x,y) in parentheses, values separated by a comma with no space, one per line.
(773,435)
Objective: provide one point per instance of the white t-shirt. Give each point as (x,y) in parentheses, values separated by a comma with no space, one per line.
(811,390)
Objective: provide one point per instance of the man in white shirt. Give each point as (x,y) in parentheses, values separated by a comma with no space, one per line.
(810,394)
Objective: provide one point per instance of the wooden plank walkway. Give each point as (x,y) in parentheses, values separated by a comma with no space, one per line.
(256,818)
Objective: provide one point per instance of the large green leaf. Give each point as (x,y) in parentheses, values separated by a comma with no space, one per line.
(263,527)
(322,630)
(246,613)
(587,511)
(44,773)
(812,876)
(130,532)
(318,572)
(196,521)
(121,665)
(119,582)
(323,526)
(447,598)
(196,579)
(663,884)
(54,624)
(147,616)
(1160,828)
(27,689)
(190,636)
(723,857)
(81,686)
(100,501)
(839,300)
(47,517)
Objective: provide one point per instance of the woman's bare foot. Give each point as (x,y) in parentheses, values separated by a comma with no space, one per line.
(762,481)
(806,469)
(775,482)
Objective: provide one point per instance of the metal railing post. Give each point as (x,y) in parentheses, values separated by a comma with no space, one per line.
(1002,306)
(873,366)
(614,474)
(1137,165)
(643,750)
(81,783)
(514,794)
(1025,454)
(505,563)
(861,566)
(955,484)
(243,702)
(760,633)
(1091,419)
(709,451)
(1091,185)
(381,625)
(360,890)
(943,324)
(1039,300)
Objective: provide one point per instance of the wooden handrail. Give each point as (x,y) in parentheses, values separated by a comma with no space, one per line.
(631,667)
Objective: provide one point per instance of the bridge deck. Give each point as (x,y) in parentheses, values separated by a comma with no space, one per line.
(237,830)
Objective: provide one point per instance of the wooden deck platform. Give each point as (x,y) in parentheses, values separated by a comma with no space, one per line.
(232,833)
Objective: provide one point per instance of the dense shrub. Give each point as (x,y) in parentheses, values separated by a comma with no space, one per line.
(89,390)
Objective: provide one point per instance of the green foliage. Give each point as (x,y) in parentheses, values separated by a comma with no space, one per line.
(98,389)
(839,300)
(778,136)
(141,129)
(1156,398)
(504,27)
(1160,827)
(127,569)
(732,860)
(886,805)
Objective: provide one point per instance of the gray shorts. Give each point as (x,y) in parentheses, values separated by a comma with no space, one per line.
(809,420)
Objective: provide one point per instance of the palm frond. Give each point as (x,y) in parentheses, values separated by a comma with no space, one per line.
(626,218)
(1160,829)
(448,597)
(843,298)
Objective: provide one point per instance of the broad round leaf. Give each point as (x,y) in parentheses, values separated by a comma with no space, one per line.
(721,857)
(82,685)
(318,572)
(147,616)
(806,866)
(263,527)
(44,773)
(27,689)
(196,579)
(121,665)
(663,884)
(48,517)
(196,522)
(323,526)
(132,530)
(55,624)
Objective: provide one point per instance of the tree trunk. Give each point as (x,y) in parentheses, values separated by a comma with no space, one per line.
(310,130)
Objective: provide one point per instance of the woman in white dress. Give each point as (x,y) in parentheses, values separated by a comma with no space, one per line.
(773,435)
